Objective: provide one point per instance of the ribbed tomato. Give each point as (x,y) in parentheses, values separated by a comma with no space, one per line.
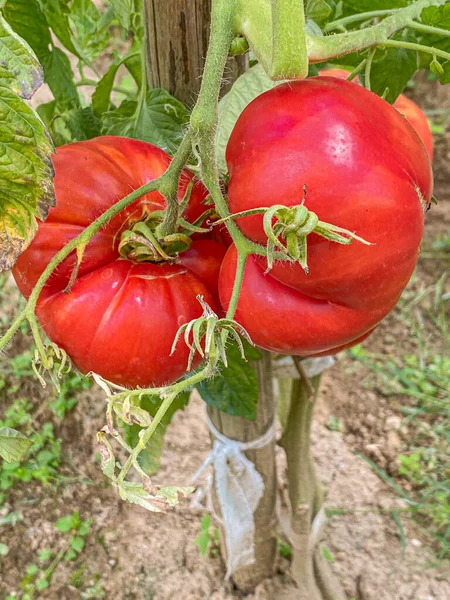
(365,170)
(119,319)
(405,106)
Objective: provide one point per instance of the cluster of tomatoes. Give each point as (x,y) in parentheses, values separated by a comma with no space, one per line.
(365,170)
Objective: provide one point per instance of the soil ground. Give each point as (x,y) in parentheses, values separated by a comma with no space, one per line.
(135,555)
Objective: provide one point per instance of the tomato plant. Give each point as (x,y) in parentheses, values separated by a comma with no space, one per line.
(324,133)
(102,322)
(335,179)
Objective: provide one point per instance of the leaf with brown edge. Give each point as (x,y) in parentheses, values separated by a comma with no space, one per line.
(26,176)
(20,68)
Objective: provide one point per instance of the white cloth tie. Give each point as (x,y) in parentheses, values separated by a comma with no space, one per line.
(239,489)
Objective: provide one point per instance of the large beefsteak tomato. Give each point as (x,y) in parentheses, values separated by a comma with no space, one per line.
(366,171)
(405,106)
(119,319)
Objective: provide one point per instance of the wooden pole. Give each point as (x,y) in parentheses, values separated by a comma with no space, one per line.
(177,33)
(235,428)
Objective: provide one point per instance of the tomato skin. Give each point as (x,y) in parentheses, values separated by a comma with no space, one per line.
(283,320)
(413,113)
(119,319)
(366,171)
(90,177)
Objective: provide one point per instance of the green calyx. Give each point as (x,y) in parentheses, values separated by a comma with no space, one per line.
(205,335)
(143,242)
(289,232)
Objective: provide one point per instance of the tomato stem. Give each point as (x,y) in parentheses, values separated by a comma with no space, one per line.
(364,16)
(368,67)
(321,48)
(275,31)
(170,192)
(418,47)
(147,433)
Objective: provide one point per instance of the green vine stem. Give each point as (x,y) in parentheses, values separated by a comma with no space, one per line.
(323,48)
(364,16)
(417,47)
(429,29)
(275,30)
(314,579)
(368,67)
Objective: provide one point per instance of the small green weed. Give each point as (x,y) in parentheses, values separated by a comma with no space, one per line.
(78,530)
(424,379)
(208,540)
(45,456)
(38,575)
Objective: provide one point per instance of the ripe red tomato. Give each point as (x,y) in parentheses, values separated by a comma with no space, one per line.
(366,171)
(119,319)
(418,120)
(405,106)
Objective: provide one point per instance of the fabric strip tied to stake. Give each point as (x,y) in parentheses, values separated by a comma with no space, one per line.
(239,489)
(239,486)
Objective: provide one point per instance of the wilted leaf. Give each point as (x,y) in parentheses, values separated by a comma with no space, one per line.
(164,499)
(107,454)
(26,172)
(18,59)
(150,458)
(13,444)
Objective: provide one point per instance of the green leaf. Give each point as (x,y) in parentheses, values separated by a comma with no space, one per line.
(42,584)
(122,10)
(26,172)
(70,555)
(26,18)
(245,89)
(235,390)
(133,64)
(77,544)
(82,124)
(392,69)
(91,26)
(160,120)
(13,444)
(56,13)
(318,10)
(203,540)
(45,555)
(100,98)
(18,59)
(4,549)
(59,77)
(32,570)
(65,524)
(327,554)
(150,458)
(367,5)
(445,75)
(438,16)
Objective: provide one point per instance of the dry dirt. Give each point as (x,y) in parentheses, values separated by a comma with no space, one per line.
(142,556)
